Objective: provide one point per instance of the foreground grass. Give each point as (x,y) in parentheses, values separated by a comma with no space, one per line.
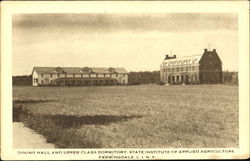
(132,116)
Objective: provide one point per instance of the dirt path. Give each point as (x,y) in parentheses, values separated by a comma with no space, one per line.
(26,138)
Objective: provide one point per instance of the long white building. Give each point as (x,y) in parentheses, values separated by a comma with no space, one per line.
(78,76)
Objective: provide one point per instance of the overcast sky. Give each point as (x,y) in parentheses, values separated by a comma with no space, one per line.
(137,42)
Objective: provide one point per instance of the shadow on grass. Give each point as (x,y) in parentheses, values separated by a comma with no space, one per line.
(25,101)
(19,111)
(62,130)
(76,121)
(67,121)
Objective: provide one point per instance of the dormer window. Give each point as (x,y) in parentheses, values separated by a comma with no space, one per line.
(58,70)
(110,70)
(86,70)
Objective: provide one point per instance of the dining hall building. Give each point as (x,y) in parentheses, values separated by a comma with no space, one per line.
(198,69)
(78,76)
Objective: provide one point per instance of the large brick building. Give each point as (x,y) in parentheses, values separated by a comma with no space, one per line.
(78,76)
(198,69)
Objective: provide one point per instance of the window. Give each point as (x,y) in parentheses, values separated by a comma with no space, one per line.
(110,75)
(42,81)
(173,78)
(186,68)
(81,75)
(96,75)
(73,75)
(42,75)
(104,75)
(177,78)
(193,68)
(116,75)
(51,75)
(89,74)
(177,69)
(58,75)
(123,75)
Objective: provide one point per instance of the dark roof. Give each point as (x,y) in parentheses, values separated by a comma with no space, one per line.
(194,59)
(76,70)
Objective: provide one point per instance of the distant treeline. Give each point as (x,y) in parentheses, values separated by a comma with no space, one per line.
(24,80)
(134,78)
(230,77)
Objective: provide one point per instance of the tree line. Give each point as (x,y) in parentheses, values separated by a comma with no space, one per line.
(134,78)
(230,77)
(24,80)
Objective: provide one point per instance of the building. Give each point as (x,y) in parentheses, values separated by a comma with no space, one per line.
(199,69)
(78,76)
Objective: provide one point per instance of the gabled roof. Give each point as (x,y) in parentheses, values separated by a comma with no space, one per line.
(76,70)
(182,60)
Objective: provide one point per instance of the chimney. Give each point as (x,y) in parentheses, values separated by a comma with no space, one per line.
(214,50)
(205,50)
(174,56)
(167,57)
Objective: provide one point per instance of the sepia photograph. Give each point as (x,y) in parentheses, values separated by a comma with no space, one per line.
(133,85)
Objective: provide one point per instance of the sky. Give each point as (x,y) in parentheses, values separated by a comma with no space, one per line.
(135,41)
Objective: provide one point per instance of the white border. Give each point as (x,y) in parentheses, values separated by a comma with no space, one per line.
(9,8)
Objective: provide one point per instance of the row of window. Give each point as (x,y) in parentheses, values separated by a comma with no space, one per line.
(78,81)
(182,78)
(180,62)
(179,69)
(104,75)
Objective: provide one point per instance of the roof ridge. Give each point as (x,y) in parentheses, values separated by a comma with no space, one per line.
(78,69)
(72,67)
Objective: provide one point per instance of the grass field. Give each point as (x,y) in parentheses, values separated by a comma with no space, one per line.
(147,116)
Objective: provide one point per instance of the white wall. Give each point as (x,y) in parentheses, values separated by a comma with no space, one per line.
(62,75)
(78,76)
(93,75)
(34,76)
(85,75)
(69,75)
(47,79)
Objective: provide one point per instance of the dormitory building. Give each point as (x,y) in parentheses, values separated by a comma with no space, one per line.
(78,76)
(198,69)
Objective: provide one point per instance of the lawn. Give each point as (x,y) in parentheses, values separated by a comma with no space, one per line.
(146,116)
